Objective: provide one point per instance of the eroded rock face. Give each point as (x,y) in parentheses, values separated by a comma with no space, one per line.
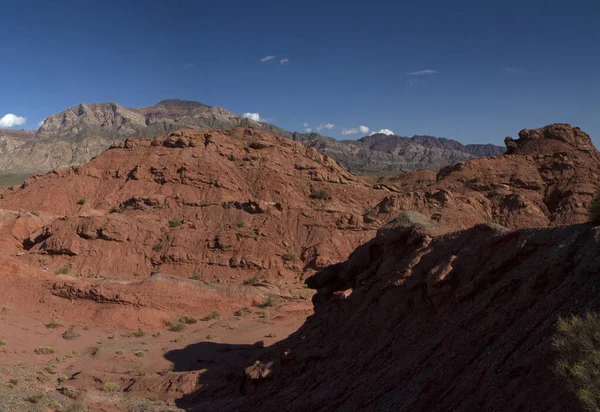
(548,177)
(224,206)
(420,320)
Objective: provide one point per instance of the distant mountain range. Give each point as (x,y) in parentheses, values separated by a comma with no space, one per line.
(80,133)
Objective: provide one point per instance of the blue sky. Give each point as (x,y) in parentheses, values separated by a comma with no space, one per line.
(487,69)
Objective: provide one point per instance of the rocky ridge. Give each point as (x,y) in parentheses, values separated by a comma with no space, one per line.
(80,133)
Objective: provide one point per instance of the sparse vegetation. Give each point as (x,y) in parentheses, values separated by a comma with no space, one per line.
(177,327)
(111,387)
(251,281)
(210,337)
(240,224)
(120,352)
(63,271)
(577,344)
(95,350)
(595,209)
(70,334)
(196,276)
(2,342)
(55,405)
(33,212)
(173,223)
(76,407)
(44,350)
(13,382)
(211,316)
(264,314)
(320,195)
(288,257)
(188,320)
(267,303)
(140,354)
(54,323)
(157,247)
(81,202)
(34,398)
(271,335)
(241,312)
(138,333)
(178,339)
(113,210)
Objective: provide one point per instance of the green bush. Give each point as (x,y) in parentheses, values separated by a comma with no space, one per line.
(196,276)
(288,257)
(320,195)
(211,316)
(175,222)
(577,344)
(111,387)
(81,202)
(63,271)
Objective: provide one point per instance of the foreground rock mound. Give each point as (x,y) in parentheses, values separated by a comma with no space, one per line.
(416,320)
(548,177)
(219,207)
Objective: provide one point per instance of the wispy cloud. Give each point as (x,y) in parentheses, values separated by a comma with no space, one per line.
(284,61)
(189,66)
(327,126)
(356,130)
(422,73)
(252,116)
(12,120)
(266,59)
(383,131)
(308,130)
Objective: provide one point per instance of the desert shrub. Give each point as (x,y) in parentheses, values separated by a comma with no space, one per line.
(320,195)
(71,334)
(577,344)
(188,320)
(33,212)
(138,333)
(251,281)
(211,316)
(240,224)
(44,350)
(177,327)
(34,398)
(113,210)
(54,323)
(288,257)
(111,387)
(271,335)
(267,303)
(595,208)
(63,271)
(240,313)
(175,222)
(76,407)
(157,247)
(2,342)
(196,276)
(81,202)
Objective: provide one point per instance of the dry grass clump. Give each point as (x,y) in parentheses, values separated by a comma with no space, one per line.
(577,344)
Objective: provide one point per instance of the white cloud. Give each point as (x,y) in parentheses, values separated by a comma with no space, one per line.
(422,72)
(189,66)
(308,130)
(266,59)
(41,123)
(12,120)
(328,126)
(356,130)
(306,124)
(252,116)
(383,131)
(284,61)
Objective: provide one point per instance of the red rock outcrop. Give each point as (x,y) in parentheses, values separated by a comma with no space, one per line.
(548,177)
(419,320)
(226,207)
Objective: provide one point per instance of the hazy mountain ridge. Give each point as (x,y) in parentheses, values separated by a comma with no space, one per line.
(78,134)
